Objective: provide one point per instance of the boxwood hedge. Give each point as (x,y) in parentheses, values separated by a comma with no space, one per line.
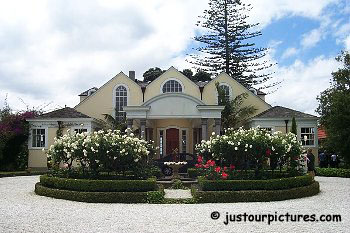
(86,185)
(100,197)
(333,172)
(255,195)
(272,184)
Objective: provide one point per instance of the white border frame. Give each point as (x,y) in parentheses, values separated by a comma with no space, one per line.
(30,139)
(169,79)
(114,96)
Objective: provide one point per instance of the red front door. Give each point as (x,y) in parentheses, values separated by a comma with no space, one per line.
(172,140)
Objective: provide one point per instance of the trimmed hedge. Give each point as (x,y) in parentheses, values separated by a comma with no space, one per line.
(272,184)
(93,197)
(255,195)
(85,185)
(333,172)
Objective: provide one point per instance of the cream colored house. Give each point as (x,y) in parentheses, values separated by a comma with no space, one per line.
(173,111)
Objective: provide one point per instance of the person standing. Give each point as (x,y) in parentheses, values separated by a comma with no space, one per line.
(334,161)
(310,162)
(322,159)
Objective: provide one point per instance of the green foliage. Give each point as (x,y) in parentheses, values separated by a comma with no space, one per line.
(152,73)
(102,151)
(271,184)
(85,185)
(255,195)
(254,148)
(155,197)
(113,124)
(294,126)
(333,172)
(92,197)
(234,114)
(334,110)
(201,76)
(227,45)
(193,173)
(188,73)
(177,184)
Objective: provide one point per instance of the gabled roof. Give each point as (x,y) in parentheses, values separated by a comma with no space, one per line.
(283,112)
(63,113)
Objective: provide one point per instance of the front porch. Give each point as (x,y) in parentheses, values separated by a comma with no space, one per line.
(174,121)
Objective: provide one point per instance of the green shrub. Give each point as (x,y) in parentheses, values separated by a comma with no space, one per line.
(193,173)
(272,184)
(99,185)
(255,195)
(93,197)
(177,184)
(155,197)
(333,172)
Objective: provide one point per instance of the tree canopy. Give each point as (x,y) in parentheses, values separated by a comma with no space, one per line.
(152,73)
(228,46)
(334,109)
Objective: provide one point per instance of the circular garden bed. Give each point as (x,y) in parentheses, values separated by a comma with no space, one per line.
(99,191)
(219,191)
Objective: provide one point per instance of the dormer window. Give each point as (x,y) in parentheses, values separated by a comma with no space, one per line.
(172,86)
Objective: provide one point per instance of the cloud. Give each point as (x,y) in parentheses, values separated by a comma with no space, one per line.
(303,82)
(289,52)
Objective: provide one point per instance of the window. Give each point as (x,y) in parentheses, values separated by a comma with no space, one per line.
(307,136)
(226,89)
(172,86)
(184,141)
(80,130)
(121,100)
(38,138)
(161,139)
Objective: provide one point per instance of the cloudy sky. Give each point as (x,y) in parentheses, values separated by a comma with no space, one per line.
(50,51)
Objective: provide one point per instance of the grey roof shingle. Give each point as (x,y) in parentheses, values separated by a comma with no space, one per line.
(283,112)
(63,113)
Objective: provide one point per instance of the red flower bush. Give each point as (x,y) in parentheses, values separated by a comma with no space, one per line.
(213,172)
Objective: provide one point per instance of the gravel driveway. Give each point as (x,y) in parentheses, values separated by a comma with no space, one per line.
(23,211)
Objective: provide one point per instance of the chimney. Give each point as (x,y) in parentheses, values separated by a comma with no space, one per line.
(132,75)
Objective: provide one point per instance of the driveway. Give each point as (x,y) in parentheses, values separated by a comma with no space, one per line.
(21,210)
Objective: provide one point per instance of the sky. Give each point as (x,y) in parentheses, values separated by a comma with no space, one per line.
(51,51)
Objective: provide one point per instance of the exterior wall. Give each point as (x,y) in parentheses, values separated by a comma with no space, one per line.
(102,101)
(210,93)
(37,159)
(279,125)
(154,88)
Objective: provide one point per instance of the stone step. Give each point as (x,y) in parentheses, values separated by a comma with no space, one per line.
(177,193)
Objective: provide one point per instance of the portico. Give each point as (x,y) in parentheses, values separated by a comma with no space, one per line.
(174,121)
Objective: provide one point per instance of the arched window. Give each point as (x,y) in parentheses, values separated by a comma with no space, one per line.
(121,100)
(227,90)
(172,86)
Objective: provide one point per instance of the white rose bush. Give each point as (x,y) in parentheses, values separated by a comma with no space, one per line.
(109,151)
(253,148)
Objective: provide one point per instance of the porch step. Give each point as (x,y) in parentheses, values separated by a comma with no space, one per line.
(177,194)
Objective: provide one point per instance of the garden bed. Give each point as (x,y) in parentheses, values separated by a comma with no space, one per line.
(333,172)
(255,195)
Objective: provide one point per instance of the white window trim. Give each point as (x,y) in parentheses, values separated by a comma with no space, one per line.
(229,90)
(115,96)
(169,79)
(315,136)
(31,138)
(187,141)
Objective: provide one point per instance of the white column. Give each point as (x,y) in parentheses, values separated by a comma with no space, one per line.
(217,126)
(204,128)
(129,124)
(143,128)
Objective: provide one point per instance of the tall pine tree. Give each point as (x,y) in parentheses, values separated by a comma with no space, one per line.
(228,44)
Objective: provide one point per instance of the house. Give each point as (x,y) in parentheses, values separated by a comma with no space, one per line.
(172,110)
